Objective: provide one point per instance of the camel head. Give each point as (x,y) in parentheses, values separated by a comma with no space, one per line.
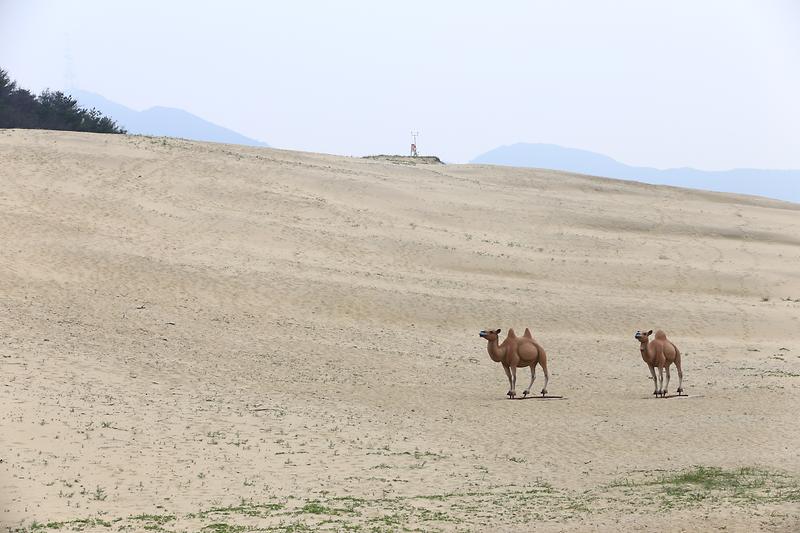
(642,336)
(490,334)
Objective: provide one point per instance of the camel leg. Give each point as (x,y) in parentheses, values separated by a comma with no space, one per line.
(666,386)
(655,380)
(660,380)
(680,374)
(533,378)
(513,381)
(510,383)
(543,362)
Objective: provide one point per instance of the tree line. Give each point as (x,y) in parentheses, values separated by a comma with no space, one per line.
(51,110)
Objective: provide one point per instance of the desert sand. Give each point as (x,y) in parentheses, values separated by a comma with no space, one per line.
(204,337)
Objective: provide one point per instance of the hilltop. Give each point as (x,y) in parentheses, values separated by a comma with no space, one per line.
(407,159)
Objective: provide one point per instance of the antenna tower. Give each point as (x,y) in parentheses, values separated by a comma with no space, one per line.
(414,135)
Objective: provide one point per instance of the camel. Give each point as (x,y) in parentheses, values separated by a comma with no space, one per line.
(660,353)
(517,352)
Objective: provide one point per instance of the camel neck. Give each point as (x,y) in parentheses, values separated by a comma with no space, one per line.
(494,350)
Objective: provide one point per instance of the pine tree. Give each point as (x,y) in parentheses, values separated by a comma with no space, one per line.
(52,110)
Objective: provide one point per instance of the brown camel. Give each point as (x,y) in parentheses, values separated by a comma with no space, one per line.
(660,353)
(517,352)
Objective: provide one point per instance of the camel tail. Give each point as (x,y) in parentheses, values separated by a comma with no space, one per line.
(677,351)
(677,355)
(543,360)
(543,363)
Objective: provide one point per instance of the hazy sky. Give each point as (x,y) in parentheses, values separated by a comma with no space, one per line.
(709,84)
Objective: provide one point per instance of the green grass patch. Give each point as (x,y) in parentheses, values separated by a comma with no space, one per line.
(389,520)
(247,509)
(713,478)
(74,525)
(709,484)
(292,528)
(221,527)
(318,508)
(155,518)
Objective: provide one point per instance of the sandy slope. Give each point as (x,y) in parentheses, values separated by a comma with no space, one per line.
(196,334)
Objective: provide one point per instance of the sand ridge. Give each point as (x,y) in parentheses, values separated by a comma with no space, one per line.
(188,329)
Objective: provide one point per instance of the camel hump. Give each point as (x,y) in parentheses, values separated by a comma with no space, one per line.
(659,351)
(511,332)
(527,333)
(660,335)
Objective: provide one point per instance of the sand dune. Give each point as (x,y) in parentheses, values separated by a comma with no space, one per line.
(208,336)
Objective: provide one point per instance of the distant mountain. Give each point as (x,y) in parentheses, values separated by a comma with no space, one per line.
(162,121)
(780,184)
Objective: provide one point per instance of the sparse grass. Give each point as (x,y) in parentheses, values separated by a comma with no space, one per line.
(416,454)
(389,520)
(155,518)
(297,526)
(316,508)
(73,525)
(247,509)
(433,516)
(99,494)
(781,374)
(713,478)
(717,485)
(642,492)
(222,527)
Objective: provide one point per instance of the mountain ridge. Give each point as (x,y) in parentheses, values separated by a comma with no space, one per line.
(163,121)
(782,184)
